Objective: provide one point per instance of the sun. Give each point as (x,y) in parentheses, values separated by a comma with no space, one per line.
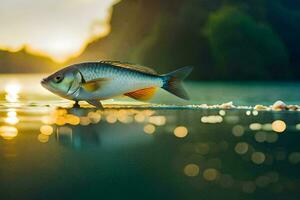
(62,47)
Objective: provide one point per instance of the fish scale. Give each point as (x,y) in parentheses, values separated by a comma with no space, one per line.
(94,81)
(134,80)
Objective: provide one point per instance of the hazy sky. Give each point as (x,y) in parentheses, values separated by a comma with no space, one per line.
(56,27)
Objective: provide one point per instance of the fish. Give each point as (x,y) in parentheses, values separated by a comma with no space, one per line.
(96,81)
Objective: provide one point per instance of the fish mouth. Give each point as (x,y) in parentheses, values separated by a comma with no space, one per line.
(44,83)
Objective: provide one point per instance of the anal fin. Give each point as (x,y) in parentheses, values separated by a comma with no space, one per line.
(142,94)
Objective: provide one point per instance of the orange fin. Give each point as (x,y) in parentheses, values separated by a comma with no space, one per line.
(143,94)
(94,85)
(91,86)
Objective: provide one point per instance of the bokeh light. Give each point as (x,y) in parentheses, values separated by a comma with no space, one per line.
(12,118)
(258,157)
(222,112)
(255,126)
(157,120)
(191,170)
(8,132)
(260,136)
(213,119)
(85,121)
(111,118)
(139,117)
(267,127)
(241,148)
(180,131)
(72,119)
(238,130)
(254,112)
(48,120)
(210,174)
(60,120)
(149,129)
(46,130)
(279,126)
(43,138)
(12,92)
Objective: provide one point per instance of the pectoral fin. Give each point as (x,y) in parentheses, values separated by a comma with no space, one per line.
(96,103)
(76,83)
(143,94)
(94,85)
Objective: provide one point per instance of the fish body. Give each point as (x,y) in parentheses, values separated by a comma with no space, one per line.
(95,81)
(116,80)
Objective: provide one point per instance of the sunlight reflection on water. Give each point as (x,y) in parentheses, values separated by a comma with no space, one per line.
(241,150)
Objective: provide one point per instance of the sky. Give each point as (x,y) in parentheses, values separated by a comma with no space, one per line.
(58,28)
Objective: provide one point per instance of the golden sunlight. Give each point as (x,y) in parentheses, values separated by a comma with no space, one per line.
(8,132)
(12,92)
(59,33)
(61,48)
(11,118)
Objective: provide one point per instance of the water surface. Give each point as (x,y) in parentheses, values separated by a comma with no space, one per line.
(144,151)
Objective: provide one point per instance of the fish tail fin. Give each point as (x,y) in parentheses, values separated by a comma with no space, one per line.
(173,82)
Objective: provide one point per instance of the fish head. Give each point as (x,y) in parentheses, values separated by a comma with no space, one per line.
(63,83)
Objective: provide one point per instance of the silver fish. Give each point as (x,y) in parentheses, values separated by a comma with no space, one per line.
(95,81)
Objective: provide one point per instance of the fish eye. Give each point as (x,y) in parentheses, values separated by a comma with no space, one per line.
(58,78)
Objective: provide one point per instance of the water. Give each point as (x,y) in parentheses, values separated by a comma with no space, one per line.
(49,150)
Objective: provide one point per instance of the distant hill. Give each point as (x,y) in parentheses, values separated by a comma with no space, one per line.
(152,33)
(222,39)
(25,62)
(132,21)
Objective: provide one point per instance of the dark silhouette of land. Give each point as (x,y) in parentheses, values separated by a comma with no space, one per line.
(24,62)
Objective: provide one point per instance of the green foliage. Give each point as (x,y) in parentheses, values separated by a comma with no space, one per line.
(284,16)
(244,47)
(222,39)
(175,41)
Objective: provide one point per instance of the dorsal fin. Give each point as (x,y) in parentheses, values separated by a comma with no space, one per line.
(142,94)
(130,66)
